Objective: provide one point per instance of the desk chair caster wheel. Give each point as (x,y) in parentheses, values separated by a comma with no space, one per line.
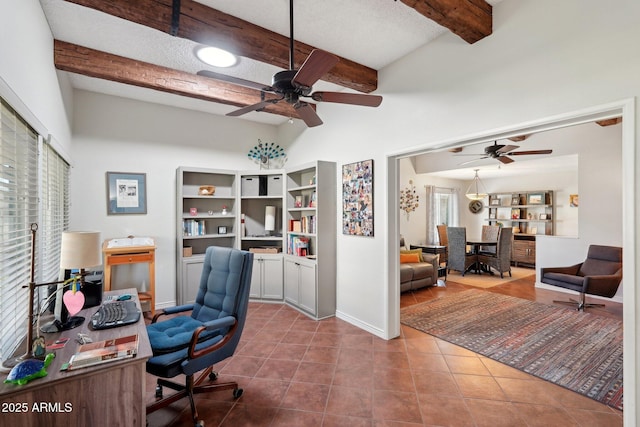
(158,392)
(200,423)
(213,376)
(237,393)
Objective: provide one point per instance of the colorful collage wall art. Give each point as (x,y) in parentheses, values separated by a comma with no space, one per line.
(357,198)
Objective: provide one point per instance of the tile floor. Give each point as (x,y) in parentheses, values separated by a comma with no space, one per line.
(298,372)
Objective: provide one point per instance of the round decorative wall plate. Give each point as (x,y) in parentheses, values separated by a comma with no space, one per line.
(475,206)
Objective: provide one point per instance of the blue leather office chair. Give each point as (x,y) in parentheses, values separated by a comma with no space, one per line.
(187,344)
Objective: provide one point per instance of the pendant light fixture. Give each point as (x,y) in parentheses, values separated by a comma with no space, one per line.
(476,190)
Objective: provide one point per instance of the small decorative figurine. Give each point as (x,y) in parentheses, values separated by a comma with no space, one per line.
(28,370)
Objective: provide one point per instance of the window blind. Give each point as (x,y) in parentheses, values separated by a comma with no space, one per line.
(54,211)
(18,209)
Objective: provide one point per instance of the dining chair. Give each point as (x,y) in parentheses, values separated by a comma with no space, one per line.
(443,239)
(459,259)
(501,260)
(489,233)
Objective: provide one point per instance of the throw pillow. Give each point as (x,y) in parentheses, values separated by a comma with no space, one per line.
(407,258)
(413,251)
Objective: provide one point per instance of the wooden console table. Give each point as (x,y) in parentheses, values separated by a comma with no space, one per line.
(131,251)
(110,394)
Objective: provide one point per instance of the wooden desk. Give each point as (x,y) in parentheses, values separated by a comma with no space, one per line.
(131,254)
(111,394)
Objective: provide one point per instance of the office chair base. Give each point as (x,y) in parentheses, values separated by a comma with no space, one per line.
(192,387)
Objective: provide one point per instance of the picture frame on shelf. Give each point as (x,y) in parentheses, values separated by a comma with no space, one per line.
(494,202)
(544,216)
(492,215)
(222,229)
(515,201)
(126,193)
(535,199)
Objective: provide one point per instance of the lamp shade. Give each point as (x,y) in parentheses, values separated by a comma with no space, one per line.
(476,190)
(80,249)
(270,218)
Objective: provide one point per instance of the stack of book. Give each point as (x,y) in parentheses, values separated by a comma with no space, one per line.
(298,245)
(105,351)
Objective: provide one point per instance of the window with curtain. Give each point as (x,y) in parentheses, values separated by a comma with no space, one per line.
(31,191)
(445,206)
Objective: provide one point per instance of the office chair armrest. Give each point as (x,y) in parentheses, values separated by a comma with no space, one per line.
(228,321)
(172,310)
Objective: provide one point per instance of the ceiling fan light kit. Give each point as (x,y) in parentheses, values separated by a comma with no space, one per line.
(476,190)
(216,57)
(289,85)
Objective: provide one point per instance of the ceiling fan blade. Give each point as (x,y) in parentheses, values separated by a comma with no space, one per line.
(505,160)
(348,98)
(521,153)
(235,80)
(250,108)
(307,114)
(474,160)
(315,66)
(507,148)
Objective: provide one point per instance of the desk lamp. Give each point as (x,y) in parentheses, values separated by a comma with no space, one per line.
(78,250)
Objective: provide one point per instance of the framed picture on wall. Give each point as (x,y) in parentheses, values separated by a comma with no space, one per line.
(357,198)
(126,193)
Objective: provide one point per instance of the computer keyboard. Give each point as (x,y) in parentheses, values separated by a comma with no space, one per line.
(114,314)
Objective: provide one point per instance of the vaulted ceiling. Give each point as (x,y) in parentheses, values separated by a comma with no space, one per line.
(143,49)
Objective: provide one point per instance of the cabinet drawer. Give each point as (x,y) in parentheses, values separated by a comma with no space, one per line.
(129,258)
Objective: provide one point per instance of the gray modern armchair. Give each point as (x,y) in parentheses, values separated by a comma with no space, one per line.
(600,274)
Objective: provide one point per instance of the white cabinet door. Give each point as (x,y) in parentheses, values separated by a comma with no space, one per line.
(272,286)
(256,279)
(307,287)
(291,273)
(191,272)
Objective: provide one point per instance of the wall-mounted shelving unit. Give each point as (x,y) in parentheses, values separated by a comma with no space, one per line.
(202,221)
(310,260)
(530,213)
(258,191)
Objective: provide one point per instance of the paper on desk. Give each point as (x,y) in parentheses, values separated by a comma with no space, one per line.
(130,241)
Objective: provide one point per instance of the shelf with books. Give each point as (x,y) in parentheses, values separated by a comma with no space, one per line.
(309,264)
(206,212)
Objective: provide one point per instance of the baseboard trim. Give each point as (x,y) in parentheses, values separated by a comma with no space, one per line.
(359,324)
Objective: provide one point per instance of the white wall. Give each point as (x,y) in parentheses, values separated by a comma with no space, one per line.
(120,135)
(28,79)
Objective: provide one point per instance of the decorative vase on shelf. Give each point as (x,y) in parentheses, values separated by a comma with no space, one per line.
(224,210)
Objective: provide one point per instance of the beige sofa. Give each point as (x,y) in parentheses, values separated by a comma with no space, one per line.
(416,275)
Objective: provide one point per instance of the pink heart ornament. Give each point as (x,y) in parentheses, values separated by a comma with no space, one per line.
(73,301)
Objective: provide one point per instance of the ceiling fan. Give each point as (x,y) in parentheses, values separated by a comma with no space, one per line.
(292,84)
(502,152)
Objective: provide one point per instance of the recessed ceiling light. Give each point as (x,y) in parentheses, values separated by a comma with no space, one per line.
(216,57)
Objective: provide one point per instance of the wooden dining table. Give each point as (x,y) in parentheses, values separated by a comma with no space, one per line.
(476,244)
